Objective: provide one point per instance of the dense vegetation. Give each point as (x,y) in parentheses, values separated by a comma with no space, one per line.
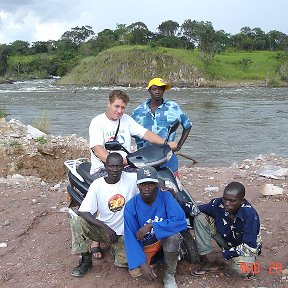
(216,54)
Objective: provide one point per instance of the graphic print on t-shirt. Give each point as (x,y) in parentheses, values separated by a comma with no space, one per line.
(116,202)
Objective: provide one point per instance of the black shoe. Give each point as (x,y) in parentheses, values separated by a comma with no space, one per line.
(85,264)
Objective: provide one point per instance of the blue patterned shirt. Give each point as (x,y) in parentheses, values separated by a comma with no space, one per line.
(159,123)
(241,234)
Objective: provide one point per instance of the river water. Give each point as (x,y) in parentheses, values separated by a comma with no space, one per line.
(229,124)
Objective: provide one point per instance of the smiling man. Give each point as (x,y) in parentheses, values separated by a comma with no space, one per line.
(115,124)
(235,225)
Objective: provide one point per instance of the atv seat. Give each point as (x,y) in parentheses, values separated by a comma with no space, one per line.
(84,170)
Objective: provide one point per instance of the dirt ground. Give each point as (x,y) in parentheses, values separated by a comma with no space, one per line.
(35,238)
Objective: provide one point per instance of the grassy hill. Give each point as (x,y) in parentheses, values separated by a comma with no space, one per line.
(135,65)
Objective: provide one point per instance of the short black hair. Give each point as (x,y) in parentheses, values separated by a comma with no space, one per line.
(235,188)
(114,155)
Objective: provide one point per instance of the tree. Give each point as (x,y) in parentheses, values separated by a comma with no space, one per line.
(39,47)
(20,47)
(138,33)
(120,32)
(77,35)
(4,49)
(104,40)
(277,40)
(168,28)
(203,35)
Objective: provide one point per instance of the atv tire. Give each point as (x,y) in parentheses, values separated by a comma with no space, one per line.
(189,250)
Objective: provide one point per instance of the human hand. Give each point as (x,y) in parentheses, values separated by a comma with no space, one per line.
(111,235)
(173,145)
(143,231)
(148,273)
(125,162)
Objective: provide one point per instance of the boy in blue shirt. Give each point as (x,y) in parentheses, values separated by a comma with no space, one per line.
(234,224)
(153,218)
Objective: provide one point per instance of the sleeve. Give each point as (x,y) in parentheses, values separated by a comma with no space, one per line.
(89,203)
(206,208)
(96,133)
(134,248)
(176,219)
(249,244)
(185,121)
(135,128)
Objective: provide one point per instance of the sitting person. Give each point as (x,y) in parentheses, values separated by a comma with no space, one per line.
(105,198)
(152,220)
(234,224)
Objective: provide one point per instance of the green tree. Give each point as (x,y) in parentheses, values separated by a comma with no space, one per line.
(77,34)
(138,34)
(20,47)
(276,40)
(202,35)
(4,50)
(104,40)
(168,28)
(39,47)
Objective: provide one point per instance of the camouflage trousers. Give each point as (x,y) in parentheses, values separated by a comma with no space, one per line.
(205,230)
(83,234)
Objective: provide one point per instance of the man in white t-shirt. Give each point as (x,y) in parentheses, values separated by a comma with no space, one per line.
(104,126)
(105,198)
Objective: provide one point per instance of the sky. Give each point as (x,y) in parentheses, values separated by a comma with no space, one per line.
(43,20)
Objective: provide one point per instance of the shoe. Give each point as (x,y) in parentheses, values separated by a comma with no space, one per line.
(85,264)
(98,250)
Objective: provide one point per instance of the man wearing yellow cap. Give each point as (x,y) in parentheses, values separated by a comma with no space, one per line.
(157,114)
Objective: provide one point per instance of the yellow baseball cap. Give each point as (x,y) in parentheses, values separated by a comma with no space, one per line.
(159,82)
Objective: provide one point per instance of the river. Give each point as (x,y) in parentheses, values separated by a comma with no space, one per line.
(229,124)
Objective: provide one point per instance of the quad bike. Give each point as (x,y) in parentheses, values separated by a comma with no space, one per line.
(153,155)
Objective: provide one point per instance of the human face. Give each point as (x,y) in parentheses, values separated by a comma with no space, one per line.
(114,168)
(157,92)
(116,109)
(148,191)
(232,202)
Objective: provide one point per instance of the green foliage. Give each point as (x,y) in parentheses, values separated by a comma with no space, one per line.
(283,71)
(15,144)
(273,80)
(42,123)
(41,140)
(2,113)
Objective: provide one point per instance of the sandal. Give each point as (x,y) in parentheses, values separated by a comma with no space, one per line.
(202,271)
(97,250)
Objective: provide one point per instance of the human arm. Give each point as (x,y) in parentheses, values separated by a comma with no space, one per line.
(100,152)
(134,248)
(156,139)
(109,233)
(183,138)
(174,217)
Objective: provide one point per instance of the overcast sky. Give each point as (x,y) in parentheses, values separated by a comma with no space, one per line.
(43,20)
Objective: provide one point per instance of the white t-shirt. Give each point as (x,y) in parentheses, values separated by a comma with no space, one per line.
(108,200)
(102,129)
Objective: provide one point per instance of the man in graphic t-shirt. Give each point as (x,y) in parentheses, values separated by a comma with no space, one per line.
(106,198)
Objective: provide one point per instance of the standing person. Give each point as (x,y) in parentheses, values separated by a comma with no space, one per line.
(113,122)
(235,225)
(108,126)
(157,114)
(106,198)
(152,219)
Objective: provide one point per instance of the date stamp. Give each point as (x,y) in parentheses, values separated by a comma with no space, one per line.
(274,268)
